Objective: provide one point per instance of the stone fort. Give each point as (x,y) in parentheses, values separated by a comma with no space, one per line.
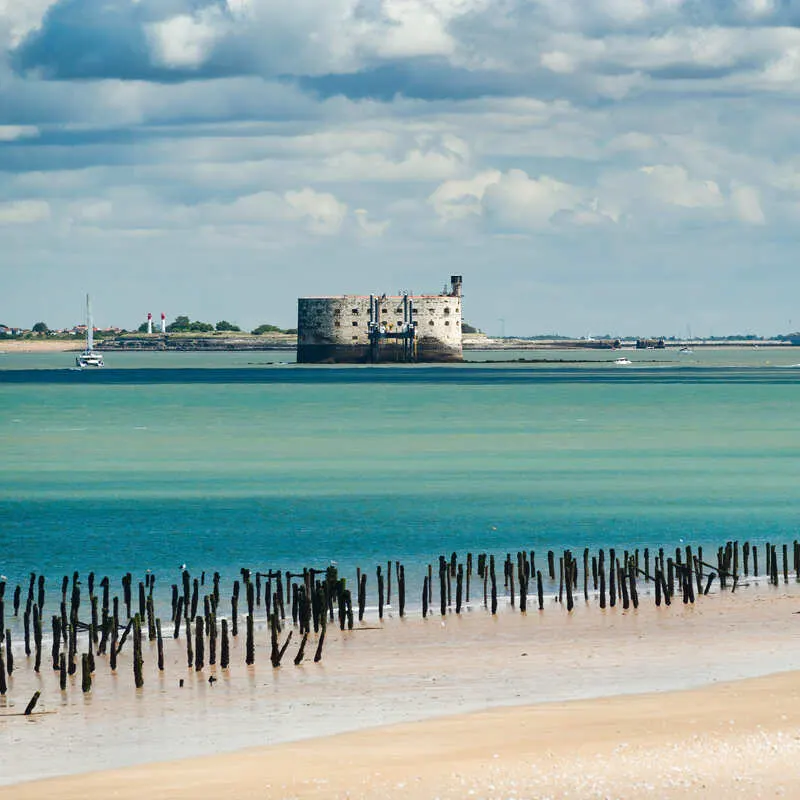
(380,328)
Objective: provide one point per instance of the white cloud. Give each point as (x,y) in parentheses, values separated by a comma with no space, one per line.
(9,133)
(322,212)
(18,19)
(520,202)
(672,185)
(457,199)
(24,212)
(185,41)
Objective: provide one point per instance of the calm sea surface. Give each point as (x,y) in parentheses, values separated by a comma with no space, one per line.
(227,460)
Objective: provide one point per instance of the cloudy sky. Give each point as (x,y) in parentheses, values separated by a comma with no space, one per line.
(590,166)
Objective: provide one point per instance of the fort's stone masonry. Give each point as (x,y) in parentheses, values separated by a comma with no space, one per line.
(337,329)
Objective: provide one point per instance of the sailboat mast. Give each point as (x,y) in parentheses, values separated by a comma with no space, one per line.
(89,326)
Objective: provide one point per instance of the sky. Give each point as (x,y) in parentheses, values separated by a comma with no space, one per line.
(591,167)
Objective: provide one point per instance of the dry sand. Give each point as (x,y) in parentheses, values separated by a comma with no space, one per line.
(41,345)
(595,740)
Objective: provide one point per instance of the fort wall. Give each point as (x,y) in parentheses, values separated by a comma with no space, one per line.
(338,329)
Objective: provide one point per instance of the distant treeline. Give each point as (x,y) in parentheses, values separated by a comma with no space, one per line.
(182,324)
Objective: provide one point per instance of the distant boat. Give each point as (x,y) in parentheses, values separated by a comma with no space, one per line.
(89,358)
(622,361)
(686,350)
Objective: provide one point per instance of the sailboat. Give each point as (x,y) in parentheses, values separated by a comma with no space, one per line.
(88,358)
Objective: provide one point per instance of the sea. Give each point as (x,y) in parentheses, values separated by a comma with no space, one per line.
(219,461)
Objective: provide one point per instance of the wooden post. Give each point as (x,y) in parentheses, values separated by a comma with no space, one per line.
(425,597)
(602,573)
(318,654)
(658,586)
(37,638)
(9,652)
(62,671)
(224,656)
(586,574)
(159,646)
(362,595)
(551,564)
(301,650)
(250,651)
(442,586)
(86,675)
(379,575)
(235,609)
(623,587)
(137,652)
(566,570)
(785,564)
(469,574)
(388,583)
(540,590)
(459,587)
(632,578)
(189,648)
(612,578)
(401,590)
(32,704)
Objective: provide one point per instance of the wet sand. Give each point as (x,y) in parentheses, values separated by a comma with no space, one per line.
(547,704)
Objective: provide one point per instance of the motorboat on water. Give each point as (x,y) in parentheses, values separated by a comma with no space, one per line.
(622,361)
(89,358)
(686,350)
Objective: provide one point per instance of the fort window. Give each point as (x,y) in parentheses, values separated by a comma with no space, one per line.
(447,322)
(355,311)
(337,324)
(355,337)
(398,310)
(355,323)
(447,311)
(431,322)
(414,310)
(384,311)
(399,323)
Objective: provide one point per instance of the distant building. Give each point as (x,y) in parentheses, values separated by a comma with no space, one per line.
(380,328)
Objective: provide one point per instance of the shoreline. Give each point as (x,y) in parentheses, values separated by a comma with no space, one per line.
(188,344)
(737,738)
(409,672)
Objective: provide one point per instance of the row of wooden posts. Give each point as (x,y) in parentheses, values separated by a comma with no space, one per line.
(317,597)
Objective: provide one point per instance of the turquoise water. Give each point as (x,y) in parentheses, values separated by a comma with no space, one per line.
(221,461)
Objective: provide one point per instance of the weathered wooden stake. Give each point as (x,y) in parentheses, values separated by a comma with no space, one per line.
(86,674)
(159,646)
(32,703)
(250,652)
(224,655)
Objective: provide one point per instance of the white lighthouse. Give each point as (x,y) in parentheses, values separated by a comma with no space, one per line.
(163,323)
(149,322)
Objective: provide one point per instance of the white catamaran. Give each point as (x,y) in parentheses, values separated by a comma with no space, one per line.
(88,358)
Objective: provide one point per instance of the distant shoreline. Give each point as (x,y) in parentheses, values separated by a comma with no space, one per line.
(240,343)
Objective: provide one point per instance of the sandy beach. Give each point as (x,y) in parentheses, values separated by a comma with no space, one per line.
(661,702)
(43,345)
